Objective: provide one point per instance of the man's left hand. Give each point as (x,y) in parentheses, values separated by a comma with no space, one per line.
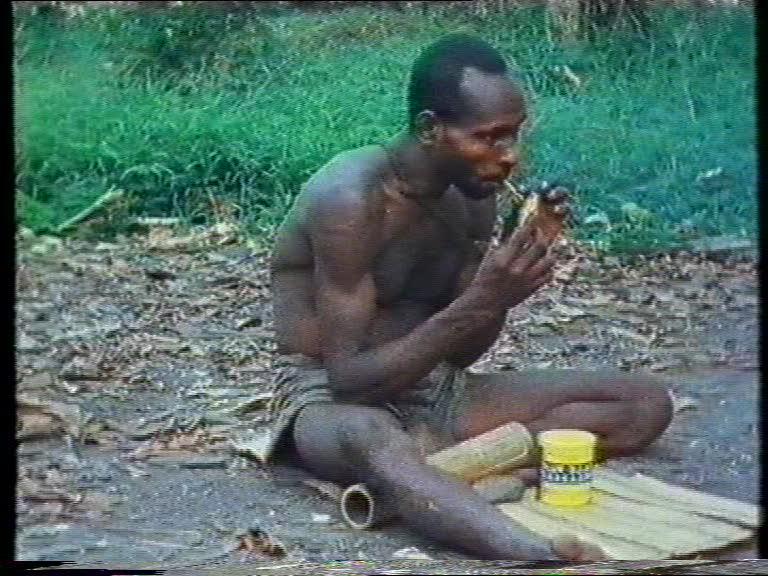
(559,199)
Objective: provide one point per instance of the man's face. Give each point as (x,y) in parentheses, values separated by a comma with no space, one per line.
(482,148)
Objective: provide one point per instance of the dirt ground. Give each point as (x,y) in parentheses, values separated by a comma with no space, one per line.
(138,361)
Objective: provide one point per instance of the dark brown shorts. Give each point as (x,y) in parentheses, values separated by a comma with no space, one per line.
(299,381)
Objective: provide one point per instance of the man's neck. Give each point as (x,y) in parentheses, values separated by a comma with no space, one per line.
(417,168)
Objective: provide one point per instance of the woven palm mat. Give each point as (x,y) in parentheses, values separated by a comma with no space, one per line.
(641,518)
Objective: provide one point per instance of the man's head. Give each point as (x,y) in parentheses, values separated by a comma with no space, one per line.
(463,105)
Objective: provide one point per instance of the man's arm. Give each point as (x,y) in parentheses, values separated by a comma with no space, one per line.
(468,351)
(344,244)
(476,344)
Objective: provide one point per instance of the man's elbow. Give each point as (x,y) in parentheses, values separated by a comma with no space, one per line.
(343,377)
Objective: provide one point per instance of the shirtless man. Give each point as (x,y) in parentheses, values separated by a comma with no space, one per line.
(383,295)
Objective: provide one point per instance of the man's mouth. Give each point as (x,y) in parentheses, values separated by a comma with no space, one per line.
(495,178)
(495,183)
(490,186)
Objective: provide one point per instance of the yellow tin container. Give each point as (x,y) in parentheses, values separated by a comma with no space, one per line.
(567,463)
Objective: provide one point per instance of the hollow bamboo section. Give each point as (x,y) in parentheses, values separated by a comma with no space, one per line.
(361,510)
(504,448)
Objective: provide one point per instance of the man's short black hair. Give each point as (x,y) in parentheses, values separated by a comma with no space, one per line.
(437,74)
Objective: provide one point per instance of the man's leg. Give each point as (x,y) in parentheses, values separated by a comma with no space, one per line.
(350,444)
(626,411)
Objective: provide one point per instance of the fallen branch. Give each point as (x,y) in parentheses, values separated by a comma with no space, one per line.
(108,197)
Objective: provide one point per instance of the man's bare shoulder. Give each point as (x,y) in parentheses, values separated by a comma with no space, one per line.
(337,199)
(343,190)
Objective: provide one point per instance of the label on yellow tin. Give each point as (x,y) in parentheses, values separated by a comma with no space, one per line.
(565,484)
(565,475)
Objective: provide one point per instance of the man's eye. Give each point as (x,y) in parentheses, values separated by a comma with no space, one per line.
(507,140)
(496,139)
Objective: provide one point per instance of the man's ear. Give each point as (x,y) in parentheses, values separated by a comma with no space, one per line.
(428,127)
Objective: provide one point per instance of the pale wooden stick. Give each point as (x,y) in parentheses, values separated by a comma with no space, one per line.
(109,196)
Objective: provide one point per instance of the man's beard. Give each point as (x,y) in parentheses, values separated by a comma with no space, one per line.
(464,177)
(477,189)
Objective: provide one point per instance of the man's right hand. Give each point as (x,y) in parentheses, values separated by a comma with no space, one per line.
(512,272)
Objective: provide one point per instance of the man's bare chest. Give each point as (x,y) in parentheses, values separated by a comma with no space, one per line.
(424,261)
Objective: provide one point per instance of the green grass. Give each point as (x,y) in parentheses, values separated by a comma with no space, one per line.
(247,109)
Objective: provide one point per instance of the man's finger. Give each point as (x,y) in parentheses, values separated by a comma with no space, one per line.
(542,280)
(516,243)
(543,265)
(529,246)
(523,234)
(533,253)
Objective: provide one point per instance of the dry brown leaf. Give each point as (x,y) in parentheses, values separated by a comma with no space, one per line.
(99,502)
(36,413)
(36,381)
(53,508)
(179,443)
(670,342)
(599,299)
(34,490)
(568,313)
(327,489)
(80,368)
(255,541)
(667,364)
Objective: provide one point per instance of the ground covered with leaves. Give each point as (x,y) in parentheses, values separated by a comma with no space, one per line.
(140,360)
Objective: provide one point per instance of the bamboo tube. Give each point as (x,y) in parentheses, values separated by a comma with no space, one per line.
(360,510)
(504,448)
(549,224)
(531,208)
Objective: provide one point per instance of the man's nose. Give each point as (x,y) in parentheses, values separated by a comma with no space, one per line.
(509,160)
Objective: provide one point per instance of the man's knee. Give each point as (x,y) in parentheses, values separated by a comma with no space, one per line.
(640,387)
(341,442)
(656,395)
(652,409)
(365,432)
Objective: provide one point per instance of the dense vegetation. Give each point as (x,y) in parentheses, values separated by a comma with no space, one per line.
(185,106)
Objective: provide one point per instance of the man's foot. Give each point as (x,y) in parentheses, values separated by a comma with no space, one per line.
(574,548)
